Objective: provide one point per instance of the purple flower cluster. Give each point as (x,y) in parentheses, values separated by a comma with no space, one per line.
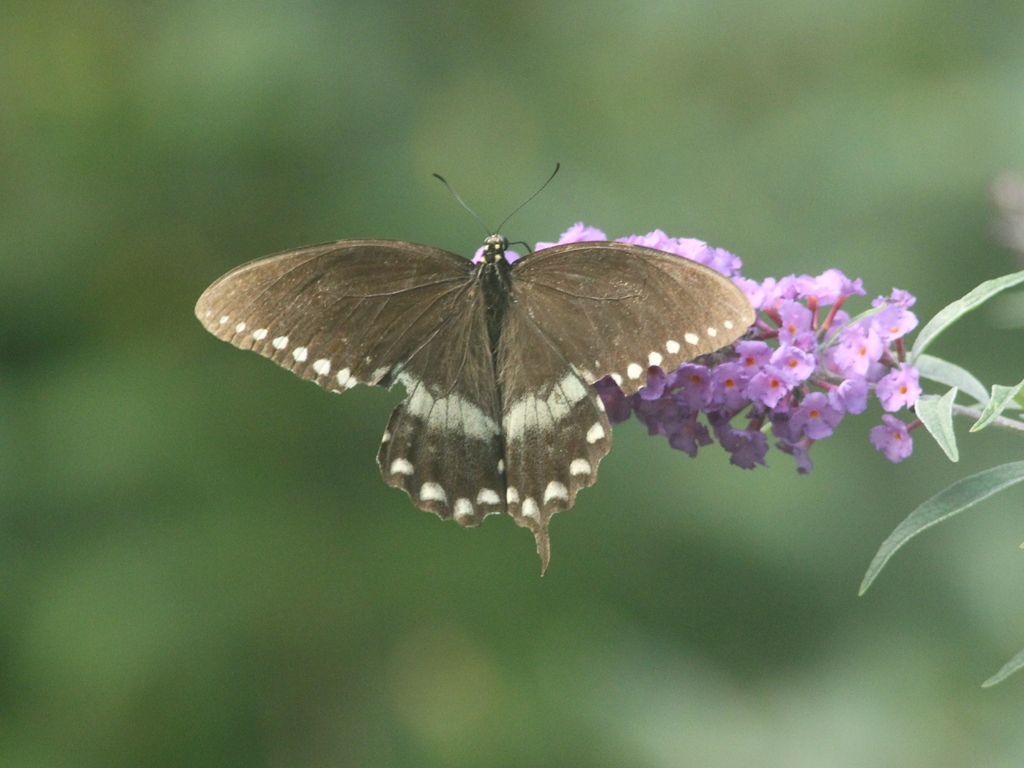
(797,372)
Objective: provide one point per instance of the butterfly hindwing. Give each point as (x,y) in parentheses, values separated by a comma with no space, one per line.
(555,428)
(443,443)
(616,309)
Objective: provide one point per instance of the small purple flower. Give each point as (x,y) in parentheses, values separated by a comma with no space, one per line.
(851,396)
(747,447)
(768,387)
(799,452)
(827,287)
(694,382)
(696,250)
(898,297)
(688,435)
(656,239)
(662,416)
(657,382)
(892,438)
(752,289)
(728,382)
(754,355)
(721,261)
(794,363)
(577,233)
(778,290)
(617,406)
(688,247)
(893,322)
(856,351)
(815,417)
(796,320)
(899,388)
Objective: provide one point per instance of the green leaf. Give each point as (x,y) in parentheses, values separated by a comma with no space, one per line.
(1008,669)
(956,498)
(951,374)
(953,312)
(936,413)
(1001,398)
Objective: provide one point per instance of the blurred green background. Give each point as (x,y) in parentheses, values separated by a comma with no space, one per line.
(199,563)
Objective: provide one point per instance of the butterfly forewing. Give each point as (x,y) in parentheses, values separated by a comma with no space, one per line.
(340,313)
(617,309)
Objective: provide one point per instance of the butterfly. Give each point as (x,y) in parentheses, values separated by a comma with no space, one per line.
(497,359)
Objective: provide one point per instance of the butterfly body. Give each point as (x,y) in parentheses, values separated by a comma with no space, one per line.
(497,359)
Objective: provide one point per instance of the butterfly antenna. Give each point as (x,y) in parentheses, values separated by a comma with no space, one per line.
(557,166)
(462,202)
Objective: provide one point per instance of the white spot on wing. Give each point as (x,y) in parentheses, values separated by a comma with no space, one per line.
(655,358)
(260,334)
(343,376)
(240,327)
(463,508)
(691,338)
(401,467)
(712,332)
(514,420)
(432,492)
(634,371)
(280,342)
(224,319)
(555,490)
(300,354)
(573,389)
(530,509)
(501,466)
(450,413)
(487,496)
(672,346)
(728,325)
(512,495)
(579,467)
(387,436)
(599,403)
(595,433)
(616,378)
(322,366)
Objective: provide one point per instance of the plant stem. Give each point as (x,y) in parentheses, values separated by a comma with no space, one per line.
(1000,421)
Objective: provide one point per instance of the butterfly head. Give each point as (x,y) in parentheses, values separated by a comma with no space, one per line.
(494,248)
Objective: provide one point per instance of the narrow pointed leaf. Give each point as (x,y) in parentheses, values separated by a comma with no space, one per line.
(1001,398)
(936,413)
(951,374)
(956,498)
(1008,669)
(952,312)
